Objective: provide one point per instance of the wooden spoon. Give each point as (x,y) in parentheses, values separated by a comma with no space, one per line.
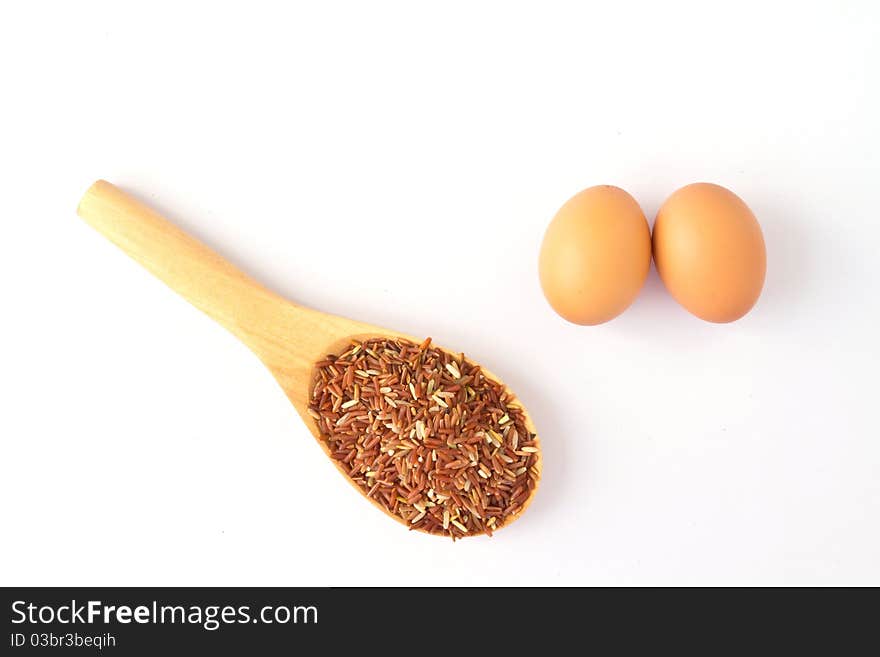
(288,338)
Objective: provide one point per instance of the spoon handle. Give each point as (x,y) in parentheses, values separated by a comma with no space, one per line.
(187,266)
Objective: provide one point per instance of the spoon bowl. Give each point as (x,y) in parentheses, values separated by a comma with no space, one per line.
(288,338)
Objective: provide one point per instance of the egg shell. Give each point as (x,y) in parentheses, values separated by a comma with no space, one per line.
(595,255)
(709,252)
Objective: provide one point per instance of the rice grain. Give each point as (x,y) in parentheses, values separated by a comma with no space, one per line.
(426,435)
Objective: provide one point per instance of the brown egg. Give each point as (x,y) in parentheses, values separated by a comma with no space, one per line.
(595,255)
(709,251)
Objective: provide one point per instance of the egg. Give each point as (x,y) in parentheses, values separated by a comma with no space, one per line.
(595,255)
(709,252)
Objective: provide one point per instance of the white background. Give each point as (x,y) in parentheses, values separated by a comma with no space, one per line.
(398,163)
